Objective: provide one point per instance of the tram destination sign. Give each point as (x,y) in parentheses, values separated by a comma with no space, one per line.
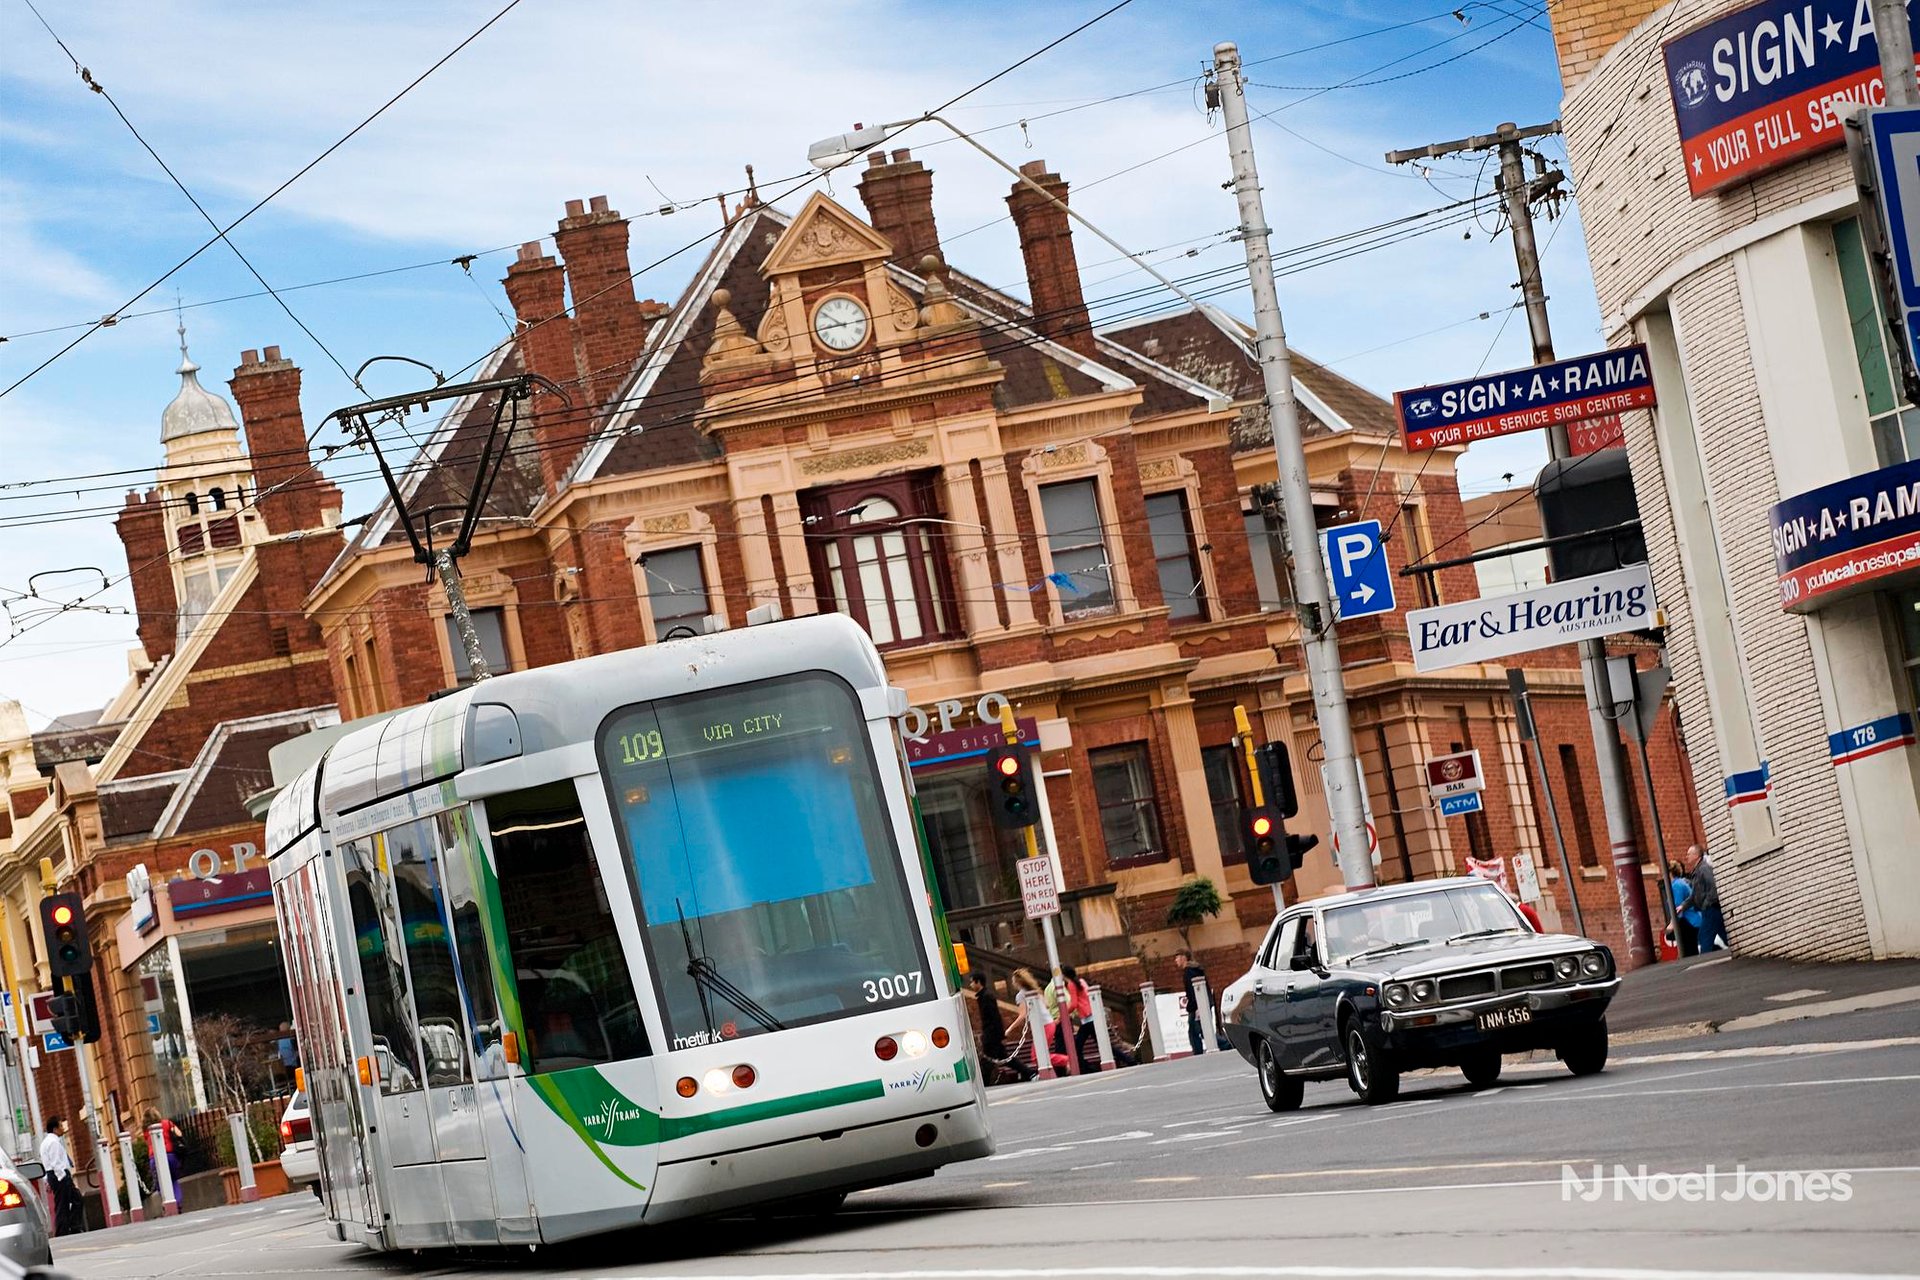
(1859,534)
(1768,84)
(1529,399)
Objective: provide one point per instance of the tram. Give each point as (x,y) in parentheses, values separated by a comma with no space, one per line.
(628,939)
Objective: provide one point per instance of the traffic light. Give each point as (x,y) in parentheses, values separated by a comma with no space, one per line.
(63,920)
(75,1017)
(1276,778)
(1297,847)
(1260,835)
(1011,785)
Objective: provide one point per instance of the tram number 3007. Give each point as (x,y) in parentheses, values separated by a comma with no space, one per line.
(893,987)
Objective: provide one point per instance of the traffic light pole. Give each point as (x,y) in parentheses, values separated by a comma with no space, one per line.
(92,1123)
(1244,727)
(1315,608)
(1012,732)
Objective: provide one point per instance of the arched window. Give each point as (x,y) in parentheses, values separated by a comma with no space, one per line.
(193,504)
(878,556)
(219,499)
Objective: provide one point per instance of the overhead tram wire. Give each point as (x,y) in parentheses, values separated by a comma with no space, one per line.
(1230,278)
(263,201)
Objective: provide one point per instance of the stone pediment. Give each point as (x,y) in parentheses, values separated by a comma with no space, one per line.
(823,235)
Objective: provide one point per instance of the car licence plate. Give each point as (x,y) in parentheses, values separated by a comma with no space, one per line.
(1500,1019)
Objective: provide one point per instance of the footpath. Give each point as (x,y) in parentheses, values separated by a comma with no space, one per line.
(1725,992)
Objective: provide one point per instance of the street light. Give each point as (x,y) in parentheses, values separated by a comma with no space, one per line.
(830,153)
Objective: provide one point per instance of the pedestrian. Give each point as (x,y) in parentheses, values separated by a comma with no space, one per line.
(1071,1005)
(993,1033)
(1686,918)
(1026,989)
(69,1211)
(288,1048)
(1191,976)
(168,1132)
(1703,897)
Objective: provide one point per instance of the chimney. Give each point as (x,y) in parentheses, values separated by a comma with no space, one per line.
(266,386)
(898,194)
(142,526)
(1053,274)
(609,325)
(538,290)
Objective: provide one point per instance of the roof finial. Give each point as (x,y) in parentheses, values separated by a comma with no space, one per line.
(753,190)
(180,327)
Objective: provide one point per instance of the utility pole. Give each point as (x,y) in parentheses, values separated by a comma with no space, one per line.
(1894,35)
(1315,608)
(1610,759)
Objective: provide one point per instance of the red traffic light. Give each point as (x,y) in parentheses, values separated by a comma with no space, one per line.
(62,914)
(1008,765)
(1262,825)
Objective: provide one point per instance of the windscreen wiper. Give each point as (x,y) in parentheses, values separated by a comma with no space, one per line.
(707,977)
(1403,945)
(1486,933)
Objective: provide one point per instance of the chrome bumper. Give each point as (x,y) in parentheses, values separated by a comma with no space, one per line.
(1545,998)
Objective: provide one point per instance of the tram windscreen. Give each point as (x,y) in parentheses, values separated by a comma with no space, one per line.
(770,883)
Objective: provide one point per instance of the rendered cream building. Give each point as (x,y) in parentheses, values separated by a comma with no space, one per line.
(1750,287)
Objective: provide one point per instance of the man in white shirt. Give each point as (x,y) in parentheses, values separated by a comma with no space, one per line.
(68,1210)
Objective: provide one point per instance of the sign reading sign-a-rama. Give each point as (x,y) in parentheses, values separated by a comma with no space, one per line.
(1530,399)
(1858,534)
(1768,84)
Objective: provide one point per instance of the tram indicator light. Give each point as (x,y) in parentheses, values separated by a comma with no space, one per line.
(1011,786)
(63,921)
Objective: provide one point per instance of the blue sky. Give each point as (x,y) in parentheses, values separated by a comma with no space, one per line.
(652,104)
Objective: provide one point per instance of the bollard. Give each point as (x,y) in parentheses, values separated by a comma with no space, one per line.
(1102,1034)
(109,1183)
(1037,1024)
(163,1170)
(243,1156)
(136,1203)
(1150,1010)
(1204,1014)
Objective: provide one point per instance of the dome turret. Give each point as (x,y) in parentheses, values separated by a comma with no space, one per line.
(195,410)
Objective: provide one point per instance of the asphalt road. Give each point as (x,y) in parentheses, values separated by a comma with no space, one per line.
(1178,1170)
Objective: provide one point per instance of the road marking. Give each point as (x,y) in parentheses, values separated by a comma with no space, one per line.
(1708,964)
(1188,1177)
(1770,1051)
(1289,1273)
(1000,1186)
(1851,1004)
(1802,994)
(1413,1168)
(1630,1091)
(1082,1168)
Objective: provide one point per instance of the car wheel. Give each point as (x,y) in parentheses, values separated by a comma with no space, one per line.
(1370,1072)
(1481,1069)
(1585,1050)
(1280,1091)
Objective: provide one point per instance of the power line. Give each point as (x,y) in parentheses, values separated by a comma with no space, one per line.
(262,202)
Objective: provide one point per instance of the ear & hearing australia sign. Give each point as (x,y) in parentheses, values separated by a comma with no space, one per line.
(1559,613)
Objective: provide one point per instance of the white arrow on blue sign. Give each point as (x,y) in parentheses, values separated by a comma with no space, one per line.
(1893,133)
(54,1042)
(1357,567)
(1455,806)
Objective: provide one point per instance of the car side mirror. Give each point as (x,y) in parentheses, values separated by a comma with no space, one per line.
(1304,960)
(31,1170)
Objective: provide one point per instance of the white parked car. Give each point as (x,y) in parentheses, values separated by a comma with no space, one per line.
(299,1159)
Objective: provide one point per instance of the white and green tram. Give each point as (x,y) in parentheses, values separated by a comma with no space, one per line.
(619,941)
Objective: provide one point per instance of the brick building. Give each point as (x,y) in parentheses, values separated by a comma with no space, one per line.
(1019,507)
(1742,265)
(140,806)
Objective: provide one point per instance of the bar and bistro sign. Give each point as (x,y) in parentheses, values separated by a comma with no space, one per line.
(1858,534)
(1601,604)
(1530,399)
(1768,84)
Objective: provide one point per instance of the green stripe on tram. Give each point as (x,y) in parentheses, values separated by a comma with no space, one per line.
(672,1127)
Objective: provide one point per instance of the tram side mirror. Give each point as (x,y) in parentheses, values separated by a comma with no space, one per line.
(510,1046)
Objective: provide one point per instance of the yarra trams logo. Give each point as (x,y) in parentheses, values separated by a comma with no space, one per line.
(1710,1185)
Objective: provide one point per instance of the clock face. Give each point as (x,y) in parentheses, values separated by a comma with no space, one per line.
(840,324)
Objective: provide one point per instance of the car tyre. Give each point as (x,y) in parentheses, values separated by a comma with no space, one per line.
(1481,1068)
(1585,1051)
(1370,1072)
(1281,1092)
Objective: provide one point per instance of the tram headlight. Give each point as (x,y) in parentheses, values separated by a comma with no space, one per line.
(913,1044)
(718,1080)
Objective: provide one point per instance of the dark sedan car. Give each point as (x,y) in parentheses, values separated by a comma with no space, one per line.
(1444,973)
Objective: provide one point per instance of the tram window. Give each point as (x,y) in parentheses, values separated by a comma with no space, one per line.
(576,996)
(470,943)
(772,888)
(436,992)
(376,936)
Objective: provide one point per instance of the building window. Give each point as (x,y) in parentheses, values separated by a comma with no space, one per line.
(219,497)
(1577,812)
(878,556)
(1129,814)
(1175,555)
(1504,575)
(1426,586)
(1082,572)
(492,626)
(1896,424)
(1269,576)
(193,504)
(1222,767)
(676,591)
(1907,605)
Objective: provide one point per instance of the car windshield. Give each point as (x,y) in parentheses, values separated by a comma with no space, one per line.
(1407,922)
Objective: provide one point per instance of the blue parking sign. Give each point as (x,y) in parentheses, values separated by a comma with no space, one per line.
(1893,134)
(1356,557)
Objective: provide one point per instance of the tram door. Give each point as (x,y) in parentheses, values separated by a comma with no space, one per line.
(462,870)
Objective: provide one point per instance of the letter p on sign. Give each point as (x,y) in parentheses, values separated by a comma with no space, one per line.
(1357,569)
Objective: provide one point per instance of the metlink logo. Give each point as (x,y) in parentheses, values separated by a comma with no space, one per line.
(1711,1185)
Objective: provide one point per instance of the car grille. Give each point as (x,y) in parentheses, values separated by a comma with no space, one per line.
(1520,977)
(1466,985)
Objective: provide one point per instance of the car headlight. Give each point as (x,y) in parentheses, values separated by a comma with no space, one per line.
(1593,964)
(1422,991)
(1566,966)
(1397,994)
